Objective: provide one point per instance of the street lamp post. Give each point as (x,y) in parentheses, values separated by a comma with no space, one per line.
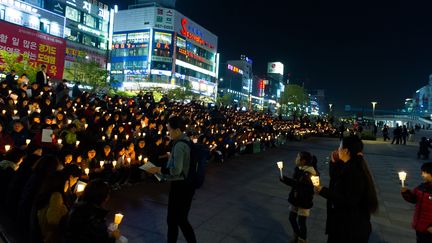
(373,109)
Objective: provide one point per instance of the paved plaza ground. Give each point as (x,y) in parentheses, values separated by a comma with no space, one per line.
(242,199)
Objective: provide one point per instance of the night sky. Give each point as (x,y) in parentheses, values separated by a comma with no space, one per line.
(358,51)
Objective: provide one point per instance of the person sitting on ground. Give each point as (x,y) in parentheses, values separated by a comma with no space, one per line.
(86,222)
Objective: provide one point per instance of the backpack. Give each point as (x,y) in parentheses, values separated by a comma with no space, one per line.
(199,154)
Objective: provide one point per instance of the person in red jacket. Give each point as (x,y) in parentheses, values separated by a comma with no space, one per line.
(421,196)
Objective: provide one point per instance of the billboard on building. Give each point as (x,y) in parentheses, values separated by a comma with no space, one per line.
(41,48)
(275,67)
(193,31)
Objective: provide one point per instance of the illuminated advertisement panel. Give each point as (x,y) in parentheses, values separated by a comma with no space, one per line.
(41,48)
(275,67)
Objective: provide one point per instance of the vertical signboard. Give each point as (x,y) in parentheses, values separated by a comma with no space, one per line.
(41,48)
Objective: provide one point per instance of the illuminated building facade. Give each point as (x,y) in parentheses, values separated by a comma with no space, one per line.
(85,25)
(155,46)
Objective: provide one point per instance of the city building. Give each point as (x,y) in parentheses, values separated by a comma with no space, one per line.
(236,78)
(423,99)
(88,31)
(85,25)
(317,102)
(29,29)
(154,46)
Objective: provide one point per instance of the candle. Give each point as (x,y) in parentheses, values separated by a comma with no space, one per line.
(59,141)
(118,218)
(77,143)
(15,112)
(69,121)
(29,112)
(115,137)
(28,141)
(85,126)
(52,110)
(127,137)
(114,163)
(7,147)
(128,160)
(10,91)
(402,177)
(315,180)
(280,166)
(80,187)
(3,112)
(145,160)
(87,171)
(139,134)
(140,157)
(101,163)
(103,138)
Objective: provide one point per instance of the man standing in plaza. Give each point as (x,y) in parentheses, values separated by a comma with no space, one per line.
(182,191)
(41,76)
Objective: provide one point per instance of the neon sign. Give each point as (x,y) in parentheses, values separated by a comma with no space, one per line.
(193,36)
(235,69)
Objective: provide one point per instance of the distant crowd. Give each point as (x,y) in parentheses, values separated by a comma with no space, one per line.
(51,137)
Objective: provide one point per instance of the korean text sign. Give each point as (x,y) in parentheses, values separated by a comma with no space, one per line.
(41,48)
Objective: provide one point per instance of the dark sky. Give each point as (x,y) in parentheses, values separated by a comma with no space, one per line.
(358,51)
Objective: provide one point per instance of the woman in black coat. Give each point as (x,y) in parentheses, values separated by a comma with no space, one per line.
(351,196)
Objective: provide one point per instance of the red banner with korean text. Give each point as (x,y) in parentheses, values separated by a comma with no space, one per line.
(41,48)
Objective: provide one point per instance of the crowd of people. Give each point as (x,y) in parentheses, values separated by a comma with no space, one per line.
(51,137)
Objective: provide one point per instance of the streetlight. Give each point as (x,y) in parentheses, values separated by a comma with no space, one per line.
(330,107)
(373,109)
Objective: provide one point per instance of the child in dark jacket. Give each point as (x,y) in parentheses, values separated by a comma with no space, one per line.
(421,196)
(301,194)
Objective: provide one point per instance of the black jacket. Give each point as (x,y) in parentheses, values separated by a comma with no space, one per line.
(348,216)
(40,79)
(86,224)
(302,191)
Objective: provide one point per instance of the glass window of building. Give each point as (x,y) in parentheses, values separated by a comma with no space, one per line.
(162,37)
(73,14)
(89,21)
(2,12)
(88,40)
(105,26)
(119,38)
(181,43)
(139,37)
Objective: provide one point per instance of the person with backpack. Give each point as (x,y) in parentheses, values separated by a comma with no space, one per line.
(301,194)
(182,191)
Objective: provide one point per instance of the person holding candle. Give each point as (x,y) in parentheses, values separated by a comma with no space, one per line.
(421,196)
(53,203)
(351,196)
(301,194)
(86,222)
(5,139)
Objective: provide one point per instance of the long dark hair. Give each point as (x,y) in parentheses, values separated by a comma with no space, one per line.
(355,148)
(54,183)
(309,160)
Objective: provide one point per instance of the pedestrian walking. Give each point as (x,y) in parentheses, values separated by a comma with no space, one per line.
(404,134)
(397,133)
(385,133)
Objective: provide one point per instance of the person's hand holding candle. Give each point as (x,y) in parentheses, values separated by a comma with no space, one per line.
(280,166)
(402,177)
